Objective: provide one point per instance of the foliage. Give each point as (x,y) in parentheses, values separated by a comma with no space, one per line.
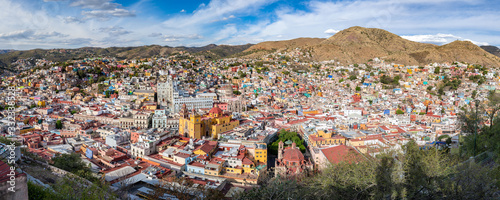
(71,188)
(352,77)
(437,70)
(389,80)
(73,163)
(285,136)
(487,138)
(358,88)
(8,142)
(477,79)
(399,112)
(59,124)
(417,174)
(236,92)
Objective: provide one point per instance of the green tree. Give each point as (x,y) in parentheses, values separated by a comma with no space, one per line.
(437,70)
(358,88)
(399,112)
(352,77)
(59,124)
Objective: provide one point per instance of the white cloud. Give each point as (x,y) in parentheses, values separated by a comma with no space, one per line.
(107,14)
(29,34)
(71,19)
(182,11)
(96,4)
(114,30)
(438,39)
(21,34)
(331,31)
(214,11)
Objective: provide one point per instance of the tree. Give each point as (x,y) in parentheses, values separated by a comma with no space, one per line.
(74,164)
(399,112)
(493,106)
(59,124)
(352,77)
(437,70)
(358,88)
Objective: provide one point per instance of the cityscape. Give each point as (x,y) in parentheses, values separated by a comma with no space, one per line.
(346,109)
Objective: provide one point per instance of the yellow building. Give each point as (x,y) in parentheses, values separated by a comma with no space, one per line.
(41,103)
(212,124)
(259,152)
(325,138)
(25,130)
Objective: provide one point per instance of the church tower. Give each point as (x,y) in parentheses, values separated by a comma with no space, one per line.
(280,150)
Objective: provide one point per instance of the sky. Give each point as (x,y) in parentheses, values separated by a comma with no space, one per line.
(29,24)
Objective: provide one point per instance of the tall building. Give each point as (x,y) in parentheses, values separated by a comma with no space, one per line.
(212,124)
(165,92)
(173,98)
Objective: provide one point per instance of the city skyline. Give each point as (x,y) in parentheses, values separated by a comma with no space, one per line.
(104,23)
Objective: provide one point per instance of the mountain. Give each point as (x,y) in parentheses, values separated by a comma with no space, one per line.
(211,51)
(2,51)
(492,49)
(358,45)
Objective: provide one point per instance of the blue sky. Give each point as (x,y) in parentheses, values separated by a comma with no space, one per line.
(28,24)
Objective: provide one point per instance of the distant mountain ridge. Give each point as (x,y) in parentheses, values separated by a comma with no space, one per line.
(492,49)
(349,46)
(58,55)
(2,51)
(358,45)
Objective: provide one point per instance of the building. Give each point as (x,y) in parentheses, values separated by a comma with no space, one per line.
(141,120)
(202,102)
(159,119)
(291,161)
(165,92)
(208,125)
(12,183)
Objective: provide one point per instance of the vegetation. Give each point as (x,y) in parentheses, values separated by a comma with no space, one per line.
(287,136)
(417,174)
(73,163)
(399,112)
(59,124)
(389,80)
(70,188)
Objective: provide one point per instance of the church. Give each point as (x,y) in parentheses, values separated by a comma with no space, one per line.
(208,125)
(291,161)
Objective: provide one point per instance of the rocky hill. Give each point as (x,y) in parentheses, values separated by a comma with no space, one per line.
(358,45)
(492,49)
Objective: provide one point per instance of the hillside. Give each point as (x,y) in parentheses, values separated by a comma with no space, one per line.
(210,51)
(2,51)
(492,49)
(276,45)
(358,45)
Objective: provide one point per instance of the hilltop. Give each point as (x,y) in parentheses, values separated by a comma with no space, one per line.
(358,45)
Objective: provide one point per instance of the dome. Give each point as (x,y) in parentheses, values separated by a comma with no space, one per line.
(293,155)
(215,110)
